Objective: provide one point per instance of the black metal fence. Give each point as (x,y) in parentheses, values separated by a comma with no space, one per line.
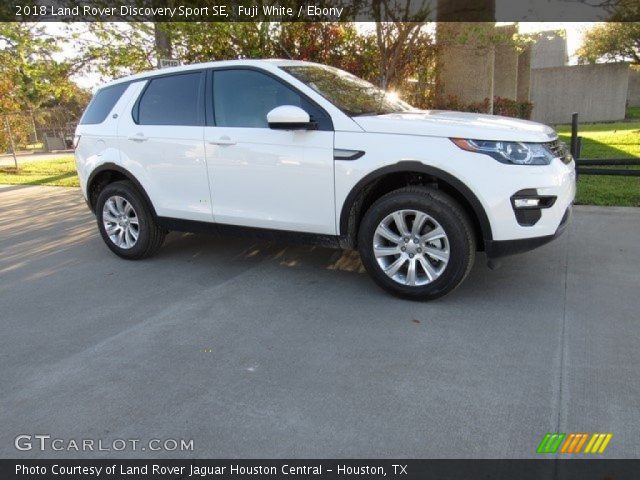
(585,165)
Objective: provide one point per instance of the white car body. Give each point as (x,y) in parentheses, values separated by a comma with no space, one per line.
(289,180)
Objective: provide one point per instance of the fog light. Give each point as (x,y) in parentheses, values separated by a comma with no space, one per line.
(528,205)
(526,202)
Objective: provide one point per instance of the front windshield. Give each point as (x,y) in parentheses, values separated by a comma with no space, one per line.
(349,93)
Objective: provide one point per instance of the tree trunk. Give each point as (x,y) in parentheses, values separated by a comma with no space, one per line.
(162,41)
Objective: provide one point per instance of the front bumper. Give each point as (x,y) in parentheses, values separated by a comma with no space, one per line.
(501,248)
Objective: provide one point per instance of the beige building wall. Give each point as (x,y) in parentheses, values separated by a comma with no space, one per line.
(597,92)
(550,50)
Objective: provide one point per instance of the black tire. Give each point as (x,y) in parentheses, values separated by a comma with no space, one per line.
(441,208)
(150,235)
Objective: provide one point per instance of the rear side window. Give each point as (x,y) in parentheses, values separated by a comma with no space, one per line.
(102,103)
(173,100)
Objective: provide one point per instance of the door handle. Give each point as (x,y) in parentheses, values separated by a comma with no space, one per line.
(139,138)
(223,141)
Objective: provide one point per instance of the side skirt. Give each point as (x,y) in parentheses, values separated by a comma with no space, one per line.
(278,236)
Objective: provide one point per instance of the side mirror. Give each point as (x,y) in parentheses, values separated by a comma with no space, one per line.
(290,117)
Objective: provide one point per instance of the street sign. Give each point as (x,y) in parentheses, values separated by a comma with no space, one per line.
(169,62)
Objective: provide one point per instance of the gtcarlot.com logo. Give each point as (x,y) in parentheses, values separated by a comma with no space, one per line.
(45,442)
(574,443)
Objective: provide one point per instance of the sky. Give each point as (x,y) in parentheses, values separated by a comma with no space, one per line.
(574,30)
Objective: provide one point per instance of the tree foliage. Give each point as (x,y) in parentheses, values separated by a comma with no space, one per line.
(32,74)
(389,56)
(611,42)
(32,79)
(114,49)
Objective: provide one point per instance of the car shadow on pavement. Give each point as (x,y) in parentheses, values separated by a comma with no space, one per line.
(53,232)
(345,266)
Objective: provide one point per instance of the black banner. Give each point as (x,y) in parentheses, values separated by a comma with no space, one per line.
(318,10)
(551,469)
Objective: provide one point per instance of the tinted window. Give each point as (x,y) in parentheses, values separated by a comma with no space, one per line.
(102,103)
(242,98)
(173,100)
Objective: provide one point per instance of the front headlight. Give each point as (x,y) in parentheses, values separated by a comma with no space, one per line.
(516,153)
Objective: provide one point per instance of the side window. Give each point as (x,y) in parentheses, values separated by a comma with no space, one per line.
(172,100)
(102,103)
(242,98)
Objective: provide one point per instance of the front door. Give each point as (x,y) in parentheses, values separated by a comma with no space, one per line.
(259,177)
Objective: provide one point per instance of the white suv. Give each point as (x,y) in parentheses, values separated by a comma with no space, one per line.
(291,148)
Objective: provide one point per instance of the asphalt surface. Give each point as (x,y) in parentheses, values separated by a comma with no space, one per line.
(258,350)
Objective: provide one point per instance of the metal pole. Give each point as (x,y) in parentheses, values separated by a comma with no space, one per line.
(13,146)
(574,135)
(579,147)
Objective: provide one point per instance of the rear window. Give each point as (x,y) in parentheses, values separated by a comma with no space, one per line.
(173,100)
(102,103)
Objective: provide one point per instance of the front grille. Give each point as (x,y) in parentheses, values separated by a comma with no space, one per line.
(560,150)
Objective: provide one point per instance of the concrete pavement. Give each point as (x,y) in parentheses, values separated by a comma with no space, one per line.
(259,350)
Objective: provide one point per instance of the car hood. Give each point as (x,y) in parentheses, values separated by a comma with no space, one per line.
(440,123)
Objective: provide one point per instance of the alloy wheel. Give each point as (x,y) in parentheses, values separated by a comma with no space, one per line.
(121,222)
(411,247)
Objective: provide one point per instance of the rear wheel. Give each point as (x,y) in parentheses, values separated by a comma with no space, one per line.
(126,223)
(417,243)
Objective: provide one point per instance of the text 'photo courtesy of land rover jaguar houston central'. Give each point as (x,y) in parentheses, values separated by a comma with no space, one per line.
(293,148)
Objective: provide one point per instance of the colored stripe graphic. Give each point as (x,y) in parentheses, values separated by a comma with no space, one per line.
(581,443)
(574,442)
(598,443)
(550,443)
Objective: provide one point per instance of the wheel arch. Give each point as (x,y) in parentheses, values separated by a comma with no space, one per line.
(108,173)
(385,179)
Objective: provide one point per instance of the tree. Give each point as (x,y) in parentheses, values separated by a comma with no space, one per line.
(331,43)
(114,49)
(32,79)
(28,59)
(613,42)
(401,40)
(206,42)
(397,55)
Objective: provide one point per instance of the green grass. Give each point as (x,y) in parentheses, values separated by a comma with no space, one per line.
(633,113)
(608,140)
(59,173)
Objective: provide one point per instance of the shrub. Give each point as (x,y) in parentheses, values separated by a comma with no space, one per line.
(526,108)
(501,106)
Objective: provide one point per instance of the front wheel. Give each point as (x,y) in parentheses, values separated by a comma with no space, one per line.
(417,243)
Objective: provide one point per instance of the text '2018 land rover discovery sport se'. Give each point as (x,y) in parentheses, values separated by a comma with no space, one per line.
(298,148)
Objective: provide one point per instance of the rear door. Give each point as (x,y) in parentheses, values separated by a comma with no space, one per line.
(164,136)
